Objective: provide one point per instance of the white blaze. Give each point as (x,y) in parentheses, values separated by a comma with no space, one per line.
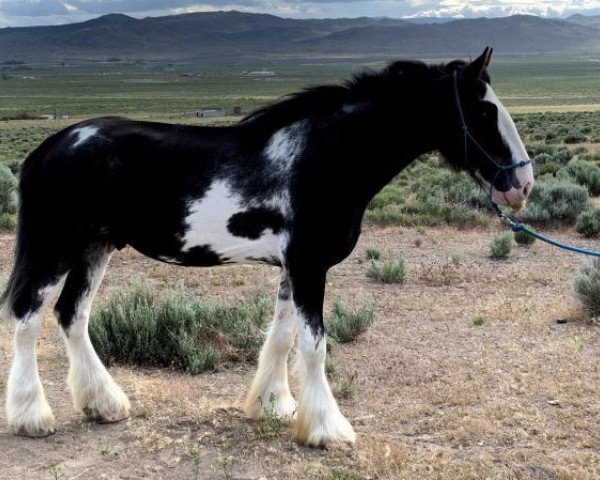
(511,137)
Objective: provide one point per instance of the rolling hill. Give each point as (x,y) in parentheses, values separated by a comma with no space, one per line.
(235,34)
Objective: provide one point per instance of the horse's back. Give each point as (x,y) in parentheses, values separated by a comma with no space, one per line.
(176,193)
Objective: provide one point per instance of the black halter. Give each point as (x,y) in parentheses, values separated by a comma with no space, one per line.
(469,136)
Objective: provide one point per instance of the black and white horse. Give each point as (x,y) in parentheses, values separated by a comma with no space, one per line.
(286,186)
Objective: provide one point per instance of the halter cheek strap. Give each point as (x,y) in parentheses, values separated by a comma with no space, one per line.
(469,136)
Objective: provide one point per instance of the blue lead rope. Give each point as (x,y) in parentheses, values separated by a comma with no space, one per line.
(519,227)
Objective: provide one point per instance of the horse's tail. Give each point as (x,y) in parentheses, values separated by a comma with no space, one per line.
(18,275)
(22,259)
(24,262)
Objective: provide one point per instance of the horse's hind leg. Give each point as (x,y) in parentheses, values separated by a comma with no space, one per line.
(27,410)
(94,391)
(270,390)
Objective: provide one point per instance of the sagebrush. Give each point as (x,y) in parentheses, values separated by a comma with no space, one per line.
(140,328)
(587,286)
(556,202)
(8,191)
(501,245)
(344,325)
(588,223)
(390,270)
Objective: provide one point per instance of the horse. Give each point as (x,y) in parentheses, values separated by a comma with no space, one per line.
(287,185)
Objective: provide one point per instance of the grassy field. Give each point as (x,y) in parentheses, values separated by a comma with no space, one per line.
(165,90)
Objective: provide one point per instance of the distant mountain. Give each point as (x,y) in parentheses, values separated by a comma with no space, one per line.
(509,35)
(420,20)
(236,34)
(592,21)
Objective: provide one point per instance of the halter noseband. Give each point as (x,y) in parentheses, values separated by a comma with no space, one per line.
(469,136)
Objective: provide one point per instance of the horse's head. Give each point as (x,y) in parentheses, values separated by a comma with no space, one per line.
(480,136)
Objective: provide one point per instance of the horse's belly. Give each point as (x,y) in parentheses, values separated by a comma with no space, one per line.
(231,249)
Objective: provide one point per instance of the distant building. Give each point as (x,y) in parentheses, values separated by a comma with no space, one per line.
(262,73)
(210,112)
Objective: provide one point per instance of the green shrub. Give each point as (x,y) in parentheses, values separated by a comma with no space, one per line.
(523,238)
(138,328)
(586,174)
(345,325)
(390,215)
(372,253)
(543,158)
(588,223)
(456,257)
(8,222)
(479,320)
(8,191)
(388,271)
(270,424)
(344,390)
(555,202)
(552,153)
(330,364)
(549,169)
(389,195)
(427,194)
(587,286)
(501,245)
(575,137)
(535,149)
(462,216)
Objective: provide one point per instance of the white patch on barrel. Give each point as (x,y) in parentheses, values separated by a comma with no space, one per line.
(286,144)
(206,224)
(84,134)
(511,137)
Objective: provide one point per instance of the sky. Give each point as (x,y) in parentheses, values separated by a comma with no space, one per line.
(50,12)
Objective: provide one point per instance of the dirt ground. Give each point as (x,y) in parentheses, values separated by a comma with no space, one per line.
(437,397)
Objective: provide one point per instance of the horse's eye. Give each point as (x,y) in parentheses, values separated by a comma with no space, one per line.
(489,111)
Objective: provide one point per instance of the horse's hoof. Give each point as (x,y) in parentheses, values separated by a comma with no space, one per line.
(23,432)
(108,421)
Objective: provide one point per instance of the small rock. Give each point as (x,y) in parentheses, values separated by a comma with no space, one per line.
(553,402)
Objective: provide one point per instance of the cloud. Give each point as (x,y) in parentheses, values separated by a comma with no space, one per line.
(28,12)
(29,8)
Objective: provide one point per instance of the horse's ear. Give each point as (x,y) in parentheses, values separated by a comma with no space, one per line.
(475,69)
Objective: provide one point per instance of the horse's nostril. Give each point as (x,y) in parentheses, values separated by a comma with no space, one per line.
(527,189)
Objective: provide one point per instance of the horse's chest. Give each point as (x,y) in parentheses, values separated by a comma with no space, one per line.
(235,230)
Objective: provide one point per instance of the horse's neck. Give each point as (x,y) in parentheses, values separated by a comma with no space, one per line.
(379,146)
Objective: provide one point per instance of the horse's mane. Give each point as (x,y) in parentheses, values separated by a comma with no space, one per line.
(363,86)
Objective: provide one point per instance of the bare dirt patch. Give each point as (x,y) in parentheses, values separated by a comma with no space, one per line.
(437,397)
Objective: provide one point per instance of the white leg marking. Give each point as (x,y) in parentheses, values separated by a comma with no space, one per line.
(319,421)
(94,391)
(270,391)
(27,409)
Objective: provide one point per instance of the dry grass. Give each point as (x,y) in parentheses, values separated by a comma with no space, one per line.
(437,397)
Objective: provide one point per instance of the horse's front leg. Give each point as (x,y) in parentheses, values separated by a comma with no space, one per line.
(319,421)
(270,391)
